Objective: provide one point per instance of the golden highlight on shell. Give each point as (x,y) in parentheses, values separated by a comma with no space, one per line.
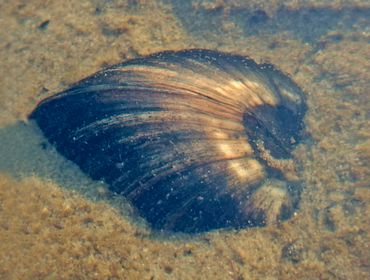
(195,139)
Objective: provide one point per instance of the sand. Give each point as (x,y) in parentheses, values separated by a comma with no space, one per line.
(56,223)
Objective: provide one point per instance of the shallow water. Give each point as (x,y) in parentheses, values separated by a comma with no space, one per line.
(56,222)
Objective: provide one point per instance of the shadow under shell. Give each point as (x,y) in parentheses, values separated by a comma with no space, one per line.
(195,139)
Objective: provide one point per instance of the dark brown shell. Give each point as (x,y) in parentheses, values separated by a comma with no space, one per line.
(195,139)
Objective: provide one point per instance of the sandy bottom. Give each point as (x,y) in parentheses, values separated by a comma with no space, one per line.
(56,223)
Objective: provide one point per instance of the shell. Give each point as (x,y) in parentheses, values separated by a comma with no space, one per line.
(195,139)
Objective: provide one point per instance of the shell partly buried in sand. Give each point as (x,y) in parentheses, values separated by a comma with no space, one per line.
(195,139)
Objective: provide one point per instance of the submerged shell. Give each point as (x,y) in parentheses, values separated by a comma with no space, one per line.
(195,139)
